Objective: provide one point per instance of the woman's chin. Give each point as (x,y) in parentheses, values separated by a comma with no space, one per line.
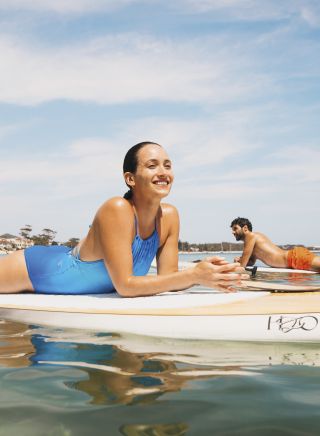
(164,193)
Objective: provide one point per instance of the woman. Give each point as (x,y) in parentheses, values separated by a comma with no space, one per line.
(124,237)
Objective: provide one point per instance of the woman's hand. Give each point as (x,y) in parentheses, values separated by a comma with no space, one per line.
(216,260)
(216,273)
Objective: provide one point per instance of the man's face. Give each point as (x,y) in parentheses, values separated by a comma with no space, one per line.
(238,232)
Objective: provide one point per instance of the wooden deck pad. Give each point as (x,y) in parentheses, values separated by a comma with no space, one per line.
(282,303)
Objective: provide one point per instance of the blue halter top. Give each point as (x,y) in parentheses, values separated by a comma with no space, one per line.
(59,270)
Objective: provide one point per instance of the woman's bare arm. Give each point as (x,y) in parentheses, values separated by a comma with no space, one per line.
(115,237)
(168,256)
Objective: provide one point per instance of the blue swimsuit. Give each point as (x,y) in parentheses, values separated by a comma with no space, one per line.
(56,270)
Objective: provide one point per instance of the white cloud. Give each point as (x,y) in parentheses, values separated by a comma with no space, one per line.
(5,130)
(247,10)
(303,162)
(92,161)
(217,191)
(63,190)
(84,167)
(195,143)
(311,14)
(257,10)
(63,6)
(125,68)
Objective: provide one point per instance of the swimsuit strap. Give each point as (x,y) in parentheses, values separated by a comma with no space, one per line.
(75,251)
(135,224)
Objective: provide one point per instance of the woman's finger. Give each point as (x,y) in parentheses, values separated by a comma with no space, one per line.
(214,259)
(228,267)
(226,288)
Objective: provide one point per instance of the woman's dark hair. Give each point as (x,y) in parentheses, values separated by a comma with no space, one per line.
(242,222)
(130,162)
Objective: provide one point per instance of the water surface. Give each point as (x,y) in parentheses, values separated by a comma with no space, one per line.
(76,382)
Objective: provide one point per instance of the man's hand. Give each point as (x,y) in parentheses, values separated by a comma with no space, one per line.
(237,259)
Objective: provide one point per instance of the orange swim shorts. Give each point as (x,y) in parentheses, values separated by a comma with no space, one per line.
(300,258)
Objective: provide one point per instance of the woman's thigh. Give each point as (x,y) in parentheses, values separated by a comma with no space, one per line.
(14,274)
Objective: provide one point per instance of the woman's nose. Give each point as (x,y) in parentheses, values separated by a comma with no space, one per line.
(163,169)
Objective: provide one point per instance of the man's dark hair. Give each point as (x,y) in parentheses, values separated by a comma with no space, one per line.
(242,222)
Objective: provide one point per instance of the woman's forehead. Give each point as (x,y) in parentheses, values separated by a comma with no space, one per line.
(152,151)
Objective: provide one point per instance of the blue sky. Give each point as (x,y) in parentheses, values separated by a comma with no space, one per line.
(230,88)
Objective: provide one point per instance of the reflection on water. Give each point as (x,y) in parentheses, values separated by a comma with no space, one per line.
(291,278)
(72,382)
(65,382)
(111,371)
(154,430)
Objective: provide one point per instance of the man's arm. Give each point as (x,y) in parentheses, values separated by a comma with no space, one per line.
(248,258)
(252,260)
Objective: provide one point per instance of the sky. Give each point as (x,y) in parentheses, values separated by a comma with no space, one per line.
(230,88)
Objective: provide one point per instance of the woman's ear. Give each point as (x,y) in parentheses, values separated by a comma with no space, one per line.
(129,179)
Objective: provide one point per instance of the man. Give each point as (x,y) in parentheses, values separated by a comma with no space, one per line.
(258,246)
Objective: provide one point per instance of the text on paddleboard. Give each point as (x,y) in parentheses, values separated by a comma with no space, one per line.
(286,324)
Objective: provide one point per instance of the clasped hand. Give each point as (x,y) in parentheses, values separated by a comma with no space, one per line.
(216,272)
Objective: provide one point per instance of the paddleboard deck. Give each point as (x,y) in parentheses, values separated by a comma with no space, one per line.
(259,269)
(169,303)
(197,313)
(278,287)
(190,302)
(193,314)
(255,317)
(269,269)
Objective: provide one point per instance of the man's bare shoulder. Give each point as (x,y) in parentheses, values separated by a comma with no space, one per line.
(262,241)
(251,236)
(260,237)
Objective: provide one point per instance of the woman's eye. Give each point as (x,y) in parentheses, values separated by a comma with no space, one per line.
(151,166)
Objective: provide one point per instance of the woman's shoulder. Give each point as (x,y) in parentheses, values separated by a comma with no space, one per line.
(115,205)
(169,216)
(168,210)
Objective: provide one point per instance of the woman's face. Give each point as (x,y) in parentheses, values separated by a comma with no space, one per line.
(154,171)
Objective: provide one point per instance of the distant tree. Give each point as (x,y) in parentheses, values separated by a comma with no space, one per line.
(25,231)
(72,242)
(49,235)
(45,238)
(38,240)
(183,246)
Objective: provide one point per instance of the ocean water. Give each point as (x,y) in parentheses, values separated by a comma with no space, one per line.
(75,382)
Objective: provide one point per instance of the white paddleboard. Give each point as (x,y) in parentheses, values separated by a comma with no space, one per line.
(269,269)
(280,287)
(260,269)
(194,314)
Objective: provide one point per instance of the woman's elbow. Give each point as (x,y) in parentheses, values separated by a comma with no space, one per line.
(126,290)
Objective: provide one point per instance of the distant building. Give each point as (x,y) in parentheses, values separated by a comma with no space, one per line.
(11,242)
